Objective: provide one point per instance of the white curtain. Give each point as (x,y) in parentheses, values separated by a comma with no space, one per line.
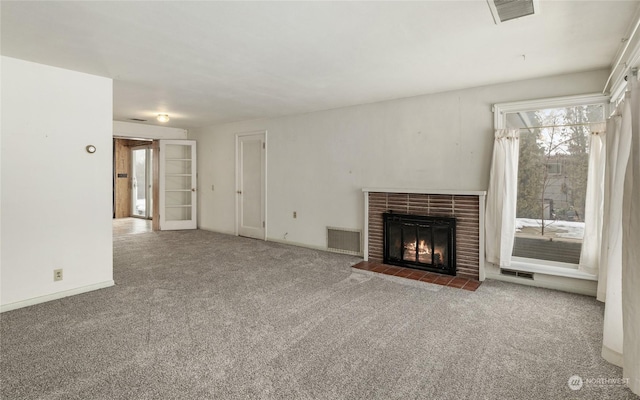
(631,250)
(500,224)
(619,272)
(618,139)
(590,254)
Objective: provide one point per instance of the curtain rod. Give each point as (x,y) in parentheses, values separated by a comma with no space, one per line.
(617,96)
(624,50)
(559,126)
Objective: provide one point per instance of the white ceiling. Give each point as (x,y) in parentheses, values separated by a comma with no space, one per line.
(206,63)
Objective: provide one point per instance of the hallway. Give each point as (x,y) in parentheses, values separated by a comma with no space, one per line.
(125,226)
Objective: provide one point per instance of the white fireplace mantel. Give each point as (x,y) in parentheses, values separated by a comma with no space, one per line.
(452,192)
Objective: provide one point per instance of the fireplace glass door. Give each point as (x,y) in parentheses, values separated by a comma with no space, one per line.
(420,242)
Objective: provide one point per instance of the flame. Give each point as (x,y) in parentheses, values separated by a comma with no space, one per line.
(422,247)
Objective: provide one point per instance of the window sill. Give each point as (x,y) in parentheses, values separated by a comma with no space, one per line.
(535,266)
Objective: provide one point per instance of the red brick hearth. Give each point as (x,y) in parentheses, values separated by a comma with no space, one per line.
(423,276)
(466,207)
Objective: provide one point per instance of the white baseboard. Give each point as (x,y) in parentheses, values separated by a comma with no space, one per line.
(282,241)
(224,232)
(268,239)
(55,296)
(297,244)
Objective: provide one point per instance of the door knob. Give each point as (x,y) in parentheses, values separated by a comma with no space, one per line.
(193,189)
(239,192)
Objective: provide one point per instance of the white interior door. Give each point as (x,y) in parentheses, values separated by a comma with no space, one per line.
(178,184)
(250,192)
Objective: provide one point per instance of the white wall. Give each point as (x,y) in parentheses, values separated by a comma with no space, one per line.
(56,197)
(319,162)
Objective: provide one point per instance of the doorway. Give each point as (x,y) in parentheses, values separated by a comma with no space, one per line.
(142,181)
(251,185)
(141,172)
(177,185)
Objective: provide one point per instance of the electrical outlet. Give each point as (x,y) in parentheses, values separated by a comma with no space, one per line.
(295,214)
(57,274)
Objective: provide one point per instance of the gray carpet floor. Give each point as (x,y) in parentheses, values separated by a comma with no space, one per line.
(201,315)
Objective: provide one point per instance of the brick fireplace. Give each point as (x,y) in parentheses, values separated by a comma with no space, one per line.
(467,207)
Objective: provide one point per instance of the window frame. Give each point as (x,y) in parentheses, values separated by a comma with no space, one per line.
(500,111)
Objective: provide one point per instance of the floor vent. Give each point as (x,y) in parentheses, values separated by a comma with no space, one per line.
(517,274)
(345,241)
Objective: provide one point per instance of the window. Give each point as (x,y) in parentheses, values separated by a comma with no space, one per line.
(554,167)
(552,174)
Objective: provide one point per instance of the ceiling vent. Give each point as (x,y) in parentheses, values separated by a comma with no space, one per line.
(505,10)
(138,119)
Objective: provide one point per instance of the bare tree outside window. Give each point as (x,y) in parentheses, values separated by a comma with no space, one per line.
(552,180)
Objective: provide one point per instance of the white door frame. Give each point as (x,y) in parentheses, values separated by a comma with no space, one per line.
(238,179)
(178,224)
(148,171)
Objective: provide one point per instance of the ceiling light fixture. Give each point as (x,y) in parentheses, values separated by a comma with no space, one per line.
(163,117)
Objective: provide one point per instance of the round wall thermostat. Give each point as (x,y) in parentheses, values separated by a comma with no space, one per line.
(91,149)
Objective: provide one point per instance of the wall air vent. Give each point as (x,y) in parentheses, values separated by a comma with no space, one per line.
(345,241)
(505,10)
(517,274)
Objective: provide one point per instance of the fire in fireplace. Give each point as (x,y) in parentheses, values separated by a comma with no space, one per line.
(422,242)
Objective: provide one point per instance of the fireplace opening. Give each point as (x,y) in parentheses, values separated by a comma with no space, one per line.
(421,242)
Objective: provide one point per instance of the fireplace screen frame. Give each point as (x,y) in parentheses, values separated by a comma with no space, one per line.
(422,223)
